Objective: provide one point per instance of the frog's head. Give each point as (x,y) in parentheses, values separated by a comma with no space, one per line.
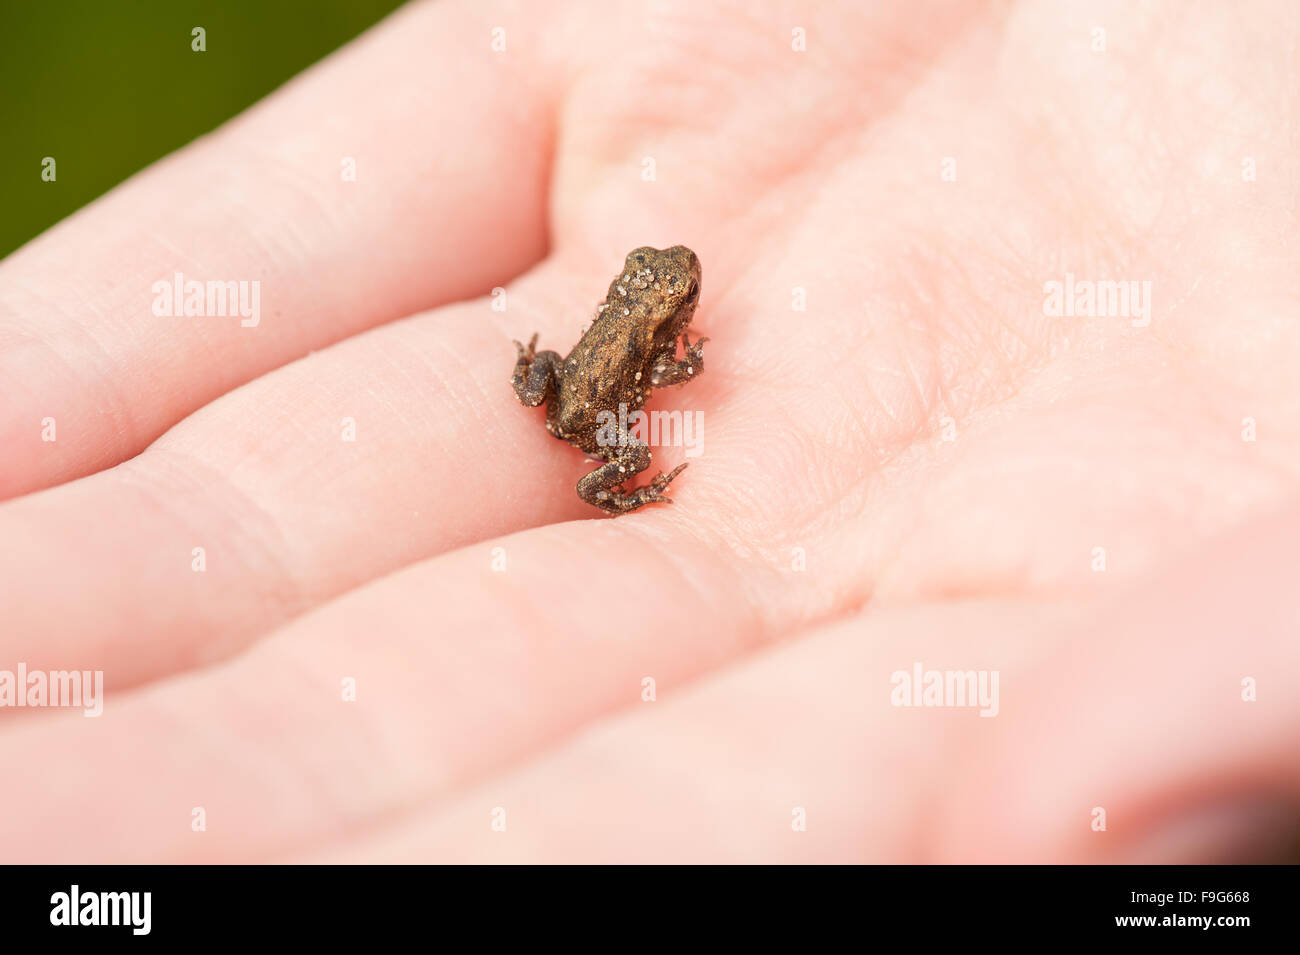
(664,284)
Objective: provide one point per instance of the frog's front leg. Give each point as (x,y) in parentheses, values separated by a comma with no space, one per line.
(668,371)
(625,462)
(537,374)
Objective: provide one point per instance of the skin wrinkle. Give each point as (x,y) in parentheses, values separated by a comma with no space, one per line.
(1015,332)
(666,547)
(809,167)
(928,397)
(258,525)
(110,399)
(1203,494)
(854,488)
(479,411)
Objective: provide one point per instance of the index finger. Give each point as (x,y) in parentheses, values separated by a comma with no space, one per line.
(325,210)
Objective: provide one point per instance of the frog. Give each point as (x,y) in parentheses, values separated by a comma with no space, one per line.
(628,351)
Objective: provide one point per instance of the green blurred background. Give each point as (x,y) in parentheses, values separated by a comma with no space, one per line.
(108,86)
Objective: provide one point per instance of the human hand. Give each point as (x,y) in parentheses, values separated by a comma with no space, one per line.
(918,468)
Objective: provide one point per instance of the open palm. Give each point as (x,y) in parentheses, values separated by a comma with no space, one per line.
(907,459)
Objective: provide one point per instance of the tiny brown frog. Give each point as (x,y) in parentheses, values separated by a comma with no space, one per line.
(629,350)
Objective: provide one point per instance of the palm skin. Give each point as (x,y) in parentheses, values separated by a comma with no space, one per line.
(906,460)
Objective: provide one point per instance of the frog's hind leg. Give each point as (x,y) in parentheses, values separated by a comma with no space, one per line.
(600,487)
(537,374)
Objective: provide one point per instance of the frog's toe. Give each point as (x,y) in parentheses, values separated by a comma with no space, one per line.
(527,354)
(651,495)
(663,480)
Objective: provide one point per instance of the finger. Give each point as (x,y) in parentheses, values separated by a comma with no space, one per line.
(795,755)
(1164,732)
(92,374)
(521,654)
(401,443)
(1145,720)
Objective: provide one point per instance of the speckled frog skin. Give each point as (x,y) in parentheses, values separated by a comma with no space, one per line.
(629,350)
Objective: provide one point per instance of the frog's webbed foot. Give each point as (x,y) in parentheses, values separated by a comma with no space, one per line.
(667,371)
(601,486)
(536,373)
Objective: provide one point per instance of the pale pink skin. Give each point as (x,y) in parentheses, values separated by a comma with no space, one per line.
(522,689)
